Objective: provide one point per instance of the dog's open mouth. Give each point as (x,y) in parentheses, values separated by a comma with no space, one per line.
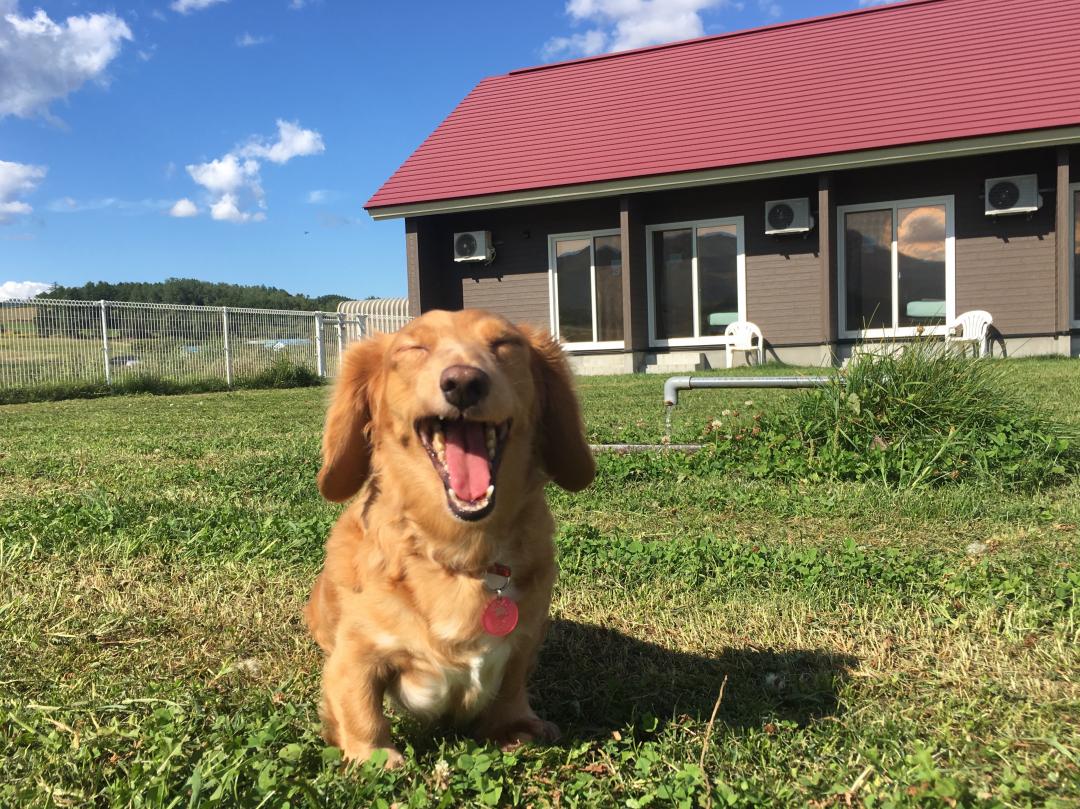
(466,455)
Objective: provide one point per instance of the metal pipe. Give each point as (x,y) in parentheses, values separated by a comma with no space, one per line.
(676,383)
(631,449)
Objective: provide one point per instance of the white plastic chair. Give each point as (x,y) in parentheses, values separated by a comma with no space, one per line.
(740,336)
(971,327)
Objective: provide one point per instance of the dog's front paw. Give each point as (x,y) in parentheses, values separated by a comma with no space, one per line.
(361,753)
(525,731)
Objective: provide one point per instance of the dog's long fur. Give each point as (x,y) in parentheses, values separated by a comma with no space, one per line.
(398,605)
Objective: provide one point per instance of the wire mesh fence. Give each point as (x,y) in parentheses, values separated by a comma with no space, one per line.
(50,342)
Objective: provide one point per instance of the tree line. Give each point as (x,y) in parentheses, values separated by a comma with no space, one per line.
(190,292)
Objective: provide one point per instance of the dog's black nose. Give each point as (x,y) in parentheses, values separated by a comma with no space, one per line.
(463,385)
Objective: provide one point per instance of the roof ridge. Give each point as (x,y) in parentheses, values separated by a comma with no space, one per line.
(805,21)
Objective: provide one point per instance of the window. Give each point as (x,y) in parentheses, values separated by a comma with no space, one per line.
(586,289)
(1076,257)
(697,281)
(897,268)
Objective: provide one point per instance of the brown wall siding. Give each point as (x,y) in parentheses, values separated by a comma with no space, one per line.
(1004,265)
(783,297)
(519,297)
(1013,281)
(516,284)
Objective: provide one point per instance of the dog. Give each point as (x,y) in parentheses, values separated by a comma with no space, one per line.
(437,582)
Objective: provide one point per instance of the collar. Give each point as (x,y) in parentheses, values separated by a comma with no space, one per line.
(497,577)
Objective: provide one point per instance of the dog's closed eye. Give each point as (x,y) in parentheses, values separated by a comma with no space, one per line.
(505,343)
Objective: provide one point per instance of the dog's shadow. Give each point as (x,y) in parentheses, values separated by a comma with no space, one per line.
(591,680)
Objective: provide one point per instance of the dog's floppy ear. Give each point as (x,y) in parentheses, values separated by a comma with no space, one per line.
(561,435)
(347,436)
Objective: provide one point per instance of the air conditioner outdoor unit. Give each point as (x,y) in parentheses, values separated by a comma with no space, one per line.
(1011,195)
(474,245)
(788,216)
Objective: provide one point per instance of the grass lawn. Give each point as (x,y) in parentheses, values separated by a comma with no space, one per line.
(881,647)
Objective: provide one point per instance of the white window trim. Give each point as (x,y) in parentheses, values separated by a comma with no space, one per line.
(553,290)
(740,280)
(950,268)
(1073,190)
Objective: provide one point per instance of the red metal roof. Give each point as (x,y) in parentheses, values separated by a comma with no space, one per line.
(914,72)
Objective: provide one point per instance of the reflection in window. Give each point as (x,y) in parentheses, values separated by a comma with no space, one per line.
(673,252)
(920,268)
(573,264)
(609,302)
(1076,256)
(895,267)
(695,280)
(588,289)
(868,269)
(718,278)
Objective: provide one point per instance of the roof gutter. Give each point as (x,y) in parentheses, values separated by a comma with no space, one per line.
(939,150)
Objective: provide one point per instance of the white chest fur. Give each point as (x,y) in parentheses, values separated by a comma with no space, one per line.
(460,691)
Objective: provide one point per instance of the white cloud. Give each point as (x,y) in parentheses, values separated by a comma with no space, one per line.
(318,197)
(227,175)
(183,209)
(188,6)
(17,179)
(588,43)
(234,178)
(247,40)
(42,60)
(619,25)
(226,210)
(126,206)
(865,3)
(22,289)
(771,9)
(293,141)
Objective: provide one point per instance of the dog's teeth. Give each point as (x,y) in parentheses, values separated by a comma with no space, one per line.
(438,441)
(490,490)
(440,453)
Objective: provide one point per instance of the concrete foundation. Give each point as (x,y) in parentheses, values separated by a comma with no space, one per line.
(605,364)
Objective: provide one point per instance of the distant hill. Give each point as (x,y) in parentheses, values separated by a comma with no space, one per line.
(195,293)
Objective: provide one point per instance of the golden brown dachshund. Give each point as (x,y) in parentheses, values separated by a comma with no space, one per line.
(438,576)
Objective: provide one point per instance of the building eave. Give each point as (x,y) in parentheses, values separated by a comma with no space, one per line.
(910,153)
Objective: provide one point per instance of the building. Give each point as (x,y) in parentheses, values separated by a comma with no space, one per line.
(848,178)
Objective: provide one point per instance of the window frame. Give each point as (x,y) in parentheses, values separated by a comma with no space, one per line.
(553,289)
(740,280)
(894,331)
(1074,189)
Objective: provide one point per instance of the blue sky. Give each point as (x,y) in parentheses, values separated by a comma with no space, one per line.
(237,140)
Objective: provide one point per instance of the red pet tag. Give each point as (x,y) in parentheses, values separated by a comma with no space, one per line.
(500,616)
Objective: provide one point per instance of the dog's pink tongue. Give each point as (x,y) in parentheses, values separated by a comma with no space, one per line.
(467,460)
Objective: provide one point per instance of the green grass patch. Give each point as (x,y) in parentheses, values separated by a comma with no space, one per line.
(282,373)
(882,645)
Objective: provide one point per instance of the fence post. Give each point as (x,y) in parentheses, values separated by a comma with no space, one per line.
(320,365)
(228,354)
(340,338)
(105,341)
